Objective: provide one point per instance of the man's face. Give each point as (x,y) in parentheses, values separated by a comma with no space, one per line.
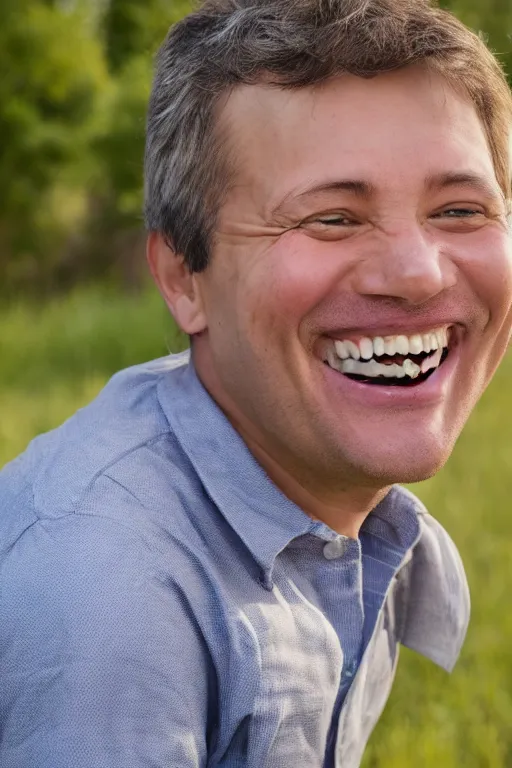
(362,209)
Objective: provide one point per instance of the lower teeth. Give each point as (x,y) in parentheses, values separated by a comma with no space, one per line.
(412,379)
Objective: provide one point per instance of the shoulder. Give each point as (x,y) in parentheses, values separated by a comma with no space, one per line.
(104,504)
(123,426)
(436,593)
(87,584)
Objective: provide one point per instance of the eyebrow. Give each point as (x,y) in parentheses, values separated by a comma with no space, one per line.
(355,186)
(465,179)
(365,190)
(362,189)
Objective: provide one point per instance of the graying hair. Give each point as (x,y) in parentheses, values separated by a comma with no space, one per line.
(290,44)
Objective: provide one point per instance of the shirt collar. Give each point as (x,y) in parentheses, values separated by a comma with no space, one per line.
(261,515)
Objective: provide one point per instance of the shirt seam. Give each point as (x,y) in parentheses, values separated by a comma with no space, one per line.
(75,509)
(116,460)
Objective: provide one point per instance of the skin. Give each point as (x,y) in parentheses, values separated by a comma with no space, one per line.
(291,269)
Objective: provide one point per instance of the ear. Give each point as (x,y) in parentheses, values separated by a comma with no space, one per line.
(177,284)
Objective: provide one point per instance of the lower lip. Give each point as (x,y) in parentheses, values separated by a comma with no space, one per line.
(430,392)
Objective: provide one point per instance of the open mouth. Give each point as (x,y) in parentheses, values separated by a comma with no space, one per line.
(406,381)
(392,361)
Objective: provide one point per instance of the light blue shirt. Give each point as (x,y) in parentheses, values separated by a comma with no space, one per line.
(164,605)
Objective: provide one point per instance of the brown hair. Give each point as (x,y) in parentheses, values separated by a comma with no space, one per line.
(292,44)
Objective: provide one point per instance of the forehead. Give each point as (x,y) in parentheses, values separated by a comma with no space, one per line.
(397,128)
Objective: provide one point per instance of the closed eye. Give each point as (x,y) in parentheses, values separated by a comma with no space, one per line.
(461,219)
(331,226)
(455,213)
(334,221)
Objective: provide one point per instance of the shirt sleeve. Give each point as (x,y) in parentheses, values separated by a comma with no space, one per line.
(102,663)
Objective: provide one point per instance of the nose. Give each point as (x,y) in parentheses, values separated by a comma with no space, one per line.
(405,264)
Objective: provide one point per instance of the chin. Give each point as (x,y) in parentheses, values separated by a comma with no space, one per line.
(383,454)
(406,469)
(403,461)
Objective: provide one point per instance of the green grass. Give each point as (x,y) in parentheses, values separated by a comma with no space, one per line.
(55,360)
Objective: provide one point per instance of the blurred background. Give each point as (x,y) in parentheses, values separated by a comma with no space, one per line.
(76,306)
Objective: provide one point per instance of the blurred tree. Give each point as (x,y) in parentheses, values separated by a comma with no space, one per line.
(132,28)
(492,18)
(52,73)
(132,32)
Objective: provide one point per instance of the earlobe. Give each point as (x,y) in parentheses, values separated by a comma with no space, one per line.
(177,284)
(188,313)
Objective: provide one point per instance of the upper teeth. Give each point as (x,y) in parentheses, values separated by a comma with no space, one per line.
(367,348)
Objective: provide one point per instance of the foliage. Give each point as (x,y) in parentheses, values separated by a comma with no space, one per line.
(51,367)
(132,31)
(73,93)
(132,27)
(493,20)
(75,81)
(52,74)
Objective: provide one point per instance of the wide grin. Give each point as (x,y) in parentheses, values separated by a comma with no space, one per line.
(390,360)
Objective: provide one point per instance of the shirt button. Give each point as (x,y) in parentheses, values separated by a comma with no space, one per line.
(350,669)
(334,549)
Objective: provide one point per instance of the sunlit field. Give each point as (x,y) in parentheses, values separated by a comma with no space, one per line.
(54,360)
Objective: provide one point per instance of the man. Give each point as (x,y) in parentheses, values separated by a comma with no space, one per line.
(211,565)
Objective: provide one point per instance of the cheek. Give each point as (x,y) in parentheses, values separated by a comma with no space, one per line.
(488,269)
(291,280)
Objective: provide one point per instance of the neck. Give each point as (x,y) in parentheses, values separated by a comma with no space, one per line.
(342,510)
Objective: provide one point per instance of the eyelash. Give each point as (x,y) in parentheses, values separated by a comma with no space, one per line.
(334,220)
(466,213)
